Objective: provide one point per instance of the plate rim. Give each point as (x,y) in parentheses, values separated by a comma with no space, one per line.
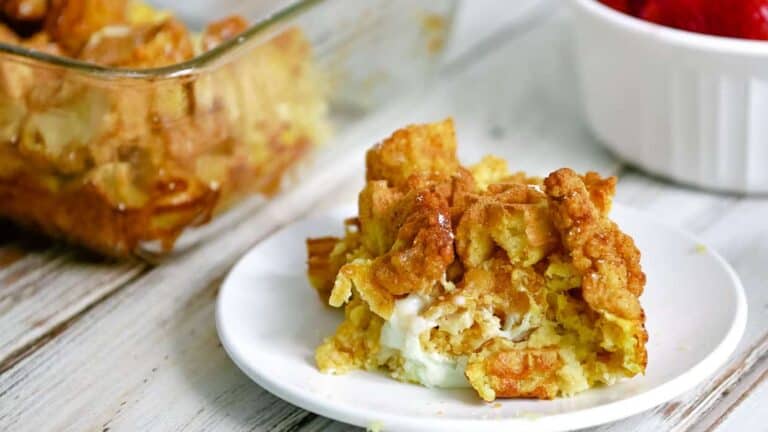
(583,418)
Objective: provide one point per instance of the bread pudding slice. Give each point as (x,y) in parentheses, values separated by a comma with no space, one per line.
(454,276)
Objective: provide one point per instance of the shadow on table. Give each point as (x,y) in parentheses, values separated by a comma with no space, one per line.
(18,242)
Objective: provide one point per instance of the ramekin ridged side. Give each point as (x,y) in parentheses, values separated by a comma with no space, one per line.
(690,107)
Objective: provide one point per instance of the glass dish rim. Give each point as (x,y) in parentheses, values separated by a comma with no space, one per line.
(176,70)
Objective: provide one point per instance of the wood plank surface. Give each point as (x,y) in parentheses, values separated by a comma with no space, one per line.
(44,285)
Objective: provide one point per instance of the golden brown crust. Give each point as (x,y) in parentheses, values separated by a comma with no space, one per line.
(500,370)
(72,22)
(322,266)
(416,149)
(117,33)
(512,219)
(423,247)
(108,230)
(413,252)
(25,10)
(612,279)
(355,342)
(528,281)
(222,30)
(376,204)
(607,258)
(141,46)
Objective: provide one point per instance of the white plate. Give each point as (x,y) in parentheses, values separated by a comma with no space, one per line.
(270,321)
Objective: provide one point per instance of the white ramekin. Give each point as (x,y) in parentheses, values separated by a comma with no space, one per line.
(686,106)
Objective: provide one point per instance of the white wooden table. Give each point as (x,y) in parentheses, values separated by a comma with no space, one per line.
(92,345)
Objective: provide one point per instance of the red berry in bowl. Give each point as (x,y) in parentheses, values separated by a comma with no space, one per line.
(750,19)
(631,7)
(688,15)
(746,19)
(619,5)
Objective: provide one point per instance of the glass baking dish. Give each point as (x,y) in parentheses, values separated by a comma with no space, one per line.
(123,161)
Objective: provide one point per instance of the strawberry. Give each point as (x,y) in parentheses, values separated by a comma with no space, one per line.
(733,18)
(750,19)
(682,14)
(635,6)
(652,11)
(631,7)
(619,5)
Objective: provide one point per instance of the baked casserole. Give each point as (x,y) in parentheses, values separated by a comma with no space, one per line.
(117,163)
(454,276)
